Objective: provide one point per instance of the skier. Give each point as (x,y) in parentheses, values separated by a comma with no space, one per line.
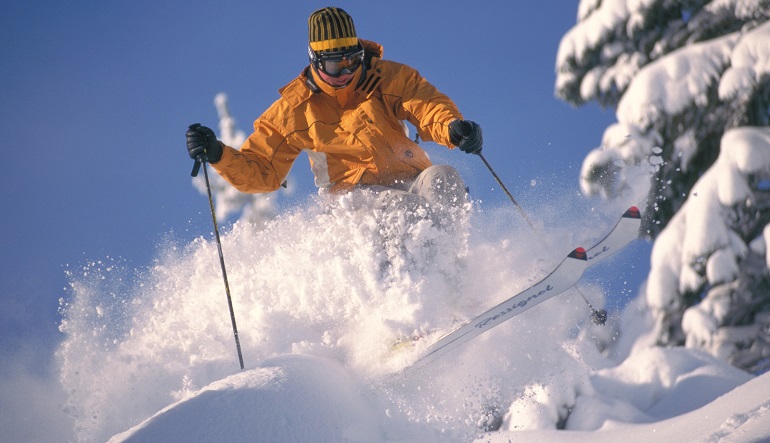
(346,110)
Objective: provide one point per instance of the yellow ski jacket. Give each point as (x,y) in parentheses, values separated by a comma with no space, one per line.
(352,135)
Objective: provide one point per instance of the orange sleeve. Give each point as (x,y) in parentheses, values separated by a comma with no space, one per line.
(262,163)
(429,110)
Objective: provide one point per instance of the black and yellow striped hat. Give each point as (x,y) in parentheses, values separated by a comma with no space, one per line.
(330,30)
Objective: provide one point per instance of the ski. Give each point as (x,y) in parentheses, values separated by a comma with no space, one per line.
(563,277)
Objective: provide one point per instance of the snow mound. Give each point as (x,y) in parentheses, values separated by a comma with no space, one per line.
(741,415)
(290,398)
(299,398)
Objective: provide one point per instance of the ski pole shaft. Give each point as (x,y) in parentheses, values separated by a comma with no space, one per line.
(500,182)
(224,269)
(196,167)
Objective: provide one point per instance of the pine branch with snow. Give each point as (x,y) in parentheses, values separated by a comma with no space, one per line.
(691,83)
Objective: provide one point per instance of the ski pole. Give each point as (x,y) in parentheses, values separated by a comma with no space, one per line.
(500,182)
(196,168)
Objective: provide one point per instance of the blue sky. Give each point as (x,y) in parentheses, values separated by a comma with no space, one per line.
(96,96)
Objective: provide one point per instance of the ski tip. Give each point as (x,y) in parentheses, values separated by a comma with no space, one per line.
(632,212)
(578,253)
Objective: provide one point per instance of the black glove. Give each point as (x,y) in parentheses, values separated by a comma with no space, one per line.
(202,144)
(466,135)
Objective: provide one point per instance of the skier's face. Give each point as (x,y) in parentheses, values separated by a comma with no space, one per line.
(337,68)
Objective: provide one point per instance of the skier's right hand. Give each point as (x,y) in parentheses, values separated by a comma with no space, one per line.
(202,144)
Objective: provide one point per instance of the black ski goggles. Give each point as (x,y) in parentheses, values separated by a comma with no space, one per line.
(335,64)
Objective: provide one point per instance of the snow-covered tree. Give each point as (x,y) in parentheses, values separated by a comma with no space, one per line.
(690,81)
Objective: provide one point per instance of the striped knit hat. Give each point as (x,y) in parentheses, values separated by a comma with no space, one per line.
(330,30)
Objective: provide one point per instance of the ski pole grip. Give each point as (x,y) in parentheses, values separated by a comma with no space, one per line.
(197,166)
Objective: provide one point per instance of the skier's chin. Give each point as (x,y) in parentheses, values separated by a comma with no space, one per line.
(338,82)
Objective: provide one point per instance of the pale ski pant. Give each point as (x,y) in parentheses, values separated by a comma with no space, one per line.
(438,185)
(441,184)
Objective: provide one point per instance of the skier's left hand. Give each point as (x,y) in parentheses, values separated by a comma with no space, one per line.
(466,135)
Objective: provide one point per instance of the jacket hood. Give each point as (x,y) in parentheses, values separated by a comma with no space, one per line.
(371,48)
